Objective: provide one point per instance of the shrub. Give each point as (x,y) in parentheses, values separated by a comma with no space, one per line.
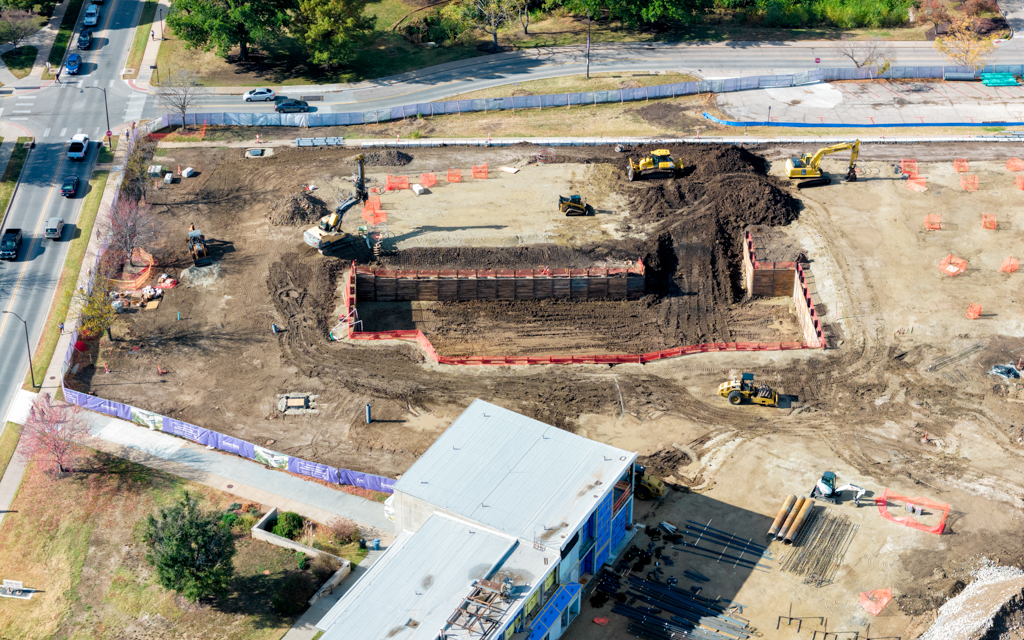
(323,567)
(300,557)
(289,525)
(229,519)
(342,530)
(293,594)
(245,522)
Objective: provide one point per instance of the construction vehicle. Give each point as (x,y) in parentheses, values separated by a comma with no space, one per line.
(646,486)
(327,234)
(574,206)
(197,247)
(807,168)
(826,489)
(744,390)
(657,165)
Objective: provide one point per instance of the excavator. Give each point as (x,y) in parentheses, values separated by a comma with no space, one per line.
(807,168)
(744,390)
(327,233)
(826,489)
(197,247)
(657,165)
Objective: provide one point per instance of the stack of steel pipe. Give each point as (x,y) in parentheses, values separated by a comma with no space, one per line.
(799,522)
(791,518)
(690,613)
(727,540)
(781,518)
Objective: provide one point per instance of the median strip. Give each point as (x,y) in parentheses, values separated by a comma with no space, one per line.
(9,182)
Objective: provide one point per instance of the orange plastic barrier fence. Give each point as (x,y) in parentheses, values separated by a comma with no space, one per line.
(974,311)
(969,182)
(960,165)
(138,281)
(882,503)
(1015,164)
(952,265)
(454,175)
(1020,182)
(1010,265)
(874,601)
(428,180)
(908,167)
(480,172)
(374,216)
(988,221)
(373,202)
(933,221)
(917,183)
(397,182)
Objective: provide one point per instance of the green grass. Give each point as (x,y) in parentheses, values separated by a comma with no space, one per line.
(67,27)
(134,59)
(8,443)
(105,154)
(68,278)
(573,84)
(12,175)
(20,63)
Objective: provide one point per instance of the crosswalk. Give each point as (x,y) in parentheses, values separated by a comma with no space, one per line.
(133,112)
(23,101)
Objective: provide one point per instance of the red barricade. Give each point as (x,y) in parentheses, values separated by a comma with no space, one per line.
(909,167)
(969,182)
(882,503)
(373,202)
(480,172)
(974,311)
(933,222)
(917,183)
(428,180)
(1015,164)
(988,221)
(374,216)
(952,265)
(1020,182)
(1010,265)
(395,183)
(960,165)
(454,175)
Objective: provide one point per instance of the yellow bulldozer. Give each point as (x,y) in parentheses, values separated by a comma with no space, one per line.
(197,247)
(744,390)
(657,165)
(807,168)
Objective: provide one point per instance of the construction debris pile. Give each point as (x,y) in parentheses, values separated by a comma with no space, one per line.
(987,609)
(299,209)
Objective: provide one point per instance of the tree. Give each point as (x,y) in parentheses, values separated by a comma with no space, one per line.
(332,30)
(867,53)
(225,24)
(933,11)
(963,45)
(54,431)
(16,25)
(633,13)
(97,315)
(523,13)
(181,92)
(191,550)
(129,227)
(487,15)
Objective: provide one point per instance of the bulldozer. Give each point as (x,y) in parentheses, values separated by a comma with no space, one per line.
(574,206)
(327,234)
(197,247)
(657,165)
(826,489)
(807,168)
(646,486)
(744,390)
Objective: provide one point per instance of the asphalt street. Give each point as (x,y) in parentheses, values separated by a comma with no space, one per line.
(53,114)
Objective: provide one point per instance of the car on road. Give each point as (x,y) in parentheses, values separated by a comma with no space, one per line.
(85,39)
(264,94)
(54,228)
(79,147)
(92,15)
(291,106)
(73,65)
(70,187)
(9,244)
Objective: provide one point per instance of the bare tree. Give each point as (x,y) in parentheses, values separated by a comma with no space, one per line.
(867,53)
(130,227)
(16,25)
(522,8)
(488,15)
(54,432)
(181,92)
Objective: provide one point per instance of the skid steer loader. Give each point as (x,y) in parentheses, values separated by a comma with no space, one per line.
(574,206)
(197,247)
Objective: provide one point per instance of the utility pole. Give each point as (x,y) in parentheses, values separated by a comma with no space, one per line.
(106,110)
(161,23)
(588,45)
(28,345)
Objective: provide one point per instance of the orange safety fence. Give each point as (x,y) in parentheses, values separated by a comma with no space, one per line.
(917,183)
(960,165)
(374,216)
(1020,182)
(373,202)
(1015,164)
(969,182)
(1010,265)
(480,172)
(952,265)
(988,221)
(395,183)
(428,180)
(974,311)
(933,222)
(882,503)
(909,167)
(132,284)
(874,601)
(454,175)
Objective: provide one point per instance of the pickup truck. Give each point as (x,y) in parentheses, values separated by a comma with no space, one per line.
(9,244)
(79,147)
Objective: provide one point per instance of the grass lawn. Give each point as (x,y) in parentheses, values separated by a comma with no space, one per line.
(105,154)
(20,62)
(11,175)
(68,278)
(8,443)
(134,59)
(67,27)
(574,84)
(80,540)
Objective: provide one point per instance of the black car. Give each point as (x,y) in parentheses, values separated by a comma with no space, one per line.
(85,39)
(70,187)
(291,106)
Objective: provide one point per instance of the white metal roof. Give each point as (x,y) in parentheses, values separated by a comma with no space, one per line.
(423,578)
(515,474)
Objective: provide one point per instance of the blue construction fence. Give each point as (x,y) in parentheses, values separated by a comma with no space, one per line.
(452,107)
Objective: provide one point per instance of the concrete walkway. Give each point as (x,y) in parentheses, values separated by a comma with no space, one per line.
(145,75)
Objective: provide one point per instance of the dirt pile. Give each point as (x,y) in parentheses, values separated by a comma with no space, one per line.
(386,158)
(297,210)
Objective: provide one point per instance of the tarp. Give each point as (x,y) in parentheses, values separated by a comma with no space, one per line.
(874,601)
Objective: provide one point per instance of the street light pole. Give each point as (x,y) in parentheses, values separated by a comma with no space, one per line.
(588,45)
(28,346)
(106,110)
(161,23)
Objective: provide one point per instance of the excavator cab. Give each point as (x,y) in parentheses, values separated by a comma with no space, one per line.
(807,168)
(826,489)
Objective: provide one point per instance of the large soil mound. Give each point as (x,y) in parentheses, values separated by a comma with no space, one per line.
(299,209)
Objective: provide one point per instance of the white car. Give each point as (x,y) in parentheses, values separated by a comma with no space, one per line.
(266,95)
(92,15)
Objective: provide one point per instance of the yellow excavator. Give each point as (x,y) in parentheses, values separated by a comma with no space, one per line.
(327,234)
(807,168)
(657,165)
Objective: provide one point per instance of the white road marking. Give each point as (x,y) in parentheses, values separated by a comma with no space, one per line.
(24,104)
(26,97)
(136,103)
(46,134)
(23,111)
(79,131)
(19,118)
(95,83)
(63,131)
(1,112)
(111,83)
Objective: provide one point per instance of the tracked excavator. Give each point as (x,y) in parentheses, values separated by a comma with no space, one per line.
(826,489)
(807,168)
(327,234)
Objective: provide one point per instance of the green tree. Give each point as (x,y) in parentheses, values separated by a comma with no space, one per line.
(191,550)
(98,315)
(226,24)
(331,30)
(963,45)
(634,13)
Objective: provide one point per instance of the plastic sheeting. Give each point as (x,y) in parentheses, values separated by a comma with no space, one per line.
(874,601)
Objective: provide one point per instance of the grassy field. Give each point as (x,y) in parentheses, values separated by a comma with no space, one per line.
(79,539)
(11,175)
(68,278)
(67,27)
(20,63)
(107,154)
(574,84)
(134,59)
(8,443)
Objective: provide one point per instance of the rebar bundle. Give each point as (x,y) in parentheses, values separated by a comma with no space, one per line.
(820,548)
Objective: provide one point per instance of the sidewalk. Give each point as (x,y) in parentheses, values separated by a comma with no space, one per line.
(145,75)
(42,40)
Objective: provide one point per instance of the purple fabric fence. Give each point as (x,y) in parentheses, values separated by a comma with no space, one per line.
(186,430)
(314,470)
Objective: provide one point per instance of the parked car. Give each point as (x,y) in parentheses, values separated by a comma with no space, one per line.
(70,187)
(54,228)
(73,65)
(92,15)
(266,95)
(85,39)
(291,106)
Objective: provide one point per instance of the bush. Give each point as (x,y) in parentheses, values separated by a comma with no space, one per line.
(300,557)
(245,522)
(229,519)
(323,567)
(292,597)
(342,530)
(289,525)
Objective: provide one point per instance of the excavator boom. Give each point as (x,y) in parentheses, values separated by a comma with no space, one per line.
(809,166)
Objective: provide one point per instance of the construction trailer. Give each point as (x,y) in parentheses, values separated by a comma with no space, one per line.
(498,524)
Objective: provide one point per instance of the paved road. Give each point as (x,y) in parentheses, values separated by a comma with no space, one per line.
(53,113)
